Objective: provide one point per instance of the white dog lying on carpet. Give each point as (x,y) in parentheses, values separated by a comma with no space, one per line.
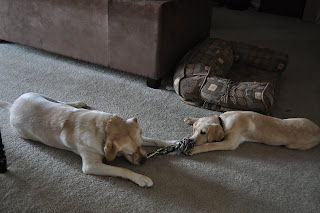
(235,127)
(91,134)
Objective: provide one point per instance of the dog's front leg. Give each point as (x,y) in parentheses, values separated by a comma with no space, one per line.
(94,166)
(230,143)
(158,143)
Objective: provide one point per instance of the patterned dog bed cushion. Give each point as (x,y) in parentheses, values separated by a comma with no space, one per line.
(226,75)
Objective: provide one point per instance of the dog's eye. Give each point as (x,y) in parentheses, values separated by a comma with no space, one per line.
(202,132)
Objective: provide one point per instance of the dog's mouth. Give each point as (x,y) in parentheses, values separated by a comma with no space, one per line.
(197,141)
(136,160)
(141,160)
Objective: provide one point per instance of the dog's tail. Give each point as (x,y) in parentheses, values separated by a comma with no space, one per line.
(6,105)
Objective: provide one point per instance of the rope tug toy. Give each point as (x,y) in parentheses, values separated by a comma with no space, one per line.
(183,147)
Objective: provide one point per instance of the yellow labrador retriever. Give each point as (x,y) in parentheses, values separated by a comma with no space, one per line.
(235,127)
(91,134)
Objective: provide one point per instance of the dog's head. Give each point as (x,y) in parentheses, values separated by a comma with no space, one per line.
(124,138)
(207,129)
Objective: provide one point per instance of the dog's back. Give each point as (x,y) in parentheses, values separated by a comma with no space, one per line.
(295,133)
(31,116)
(39,118)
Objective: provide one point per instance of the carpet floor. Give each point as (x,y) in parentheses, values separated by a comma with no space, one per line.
(253,178)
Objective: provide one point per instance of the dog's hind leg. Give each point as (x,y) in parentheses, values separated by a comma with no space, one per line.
(76,104)
(79,105)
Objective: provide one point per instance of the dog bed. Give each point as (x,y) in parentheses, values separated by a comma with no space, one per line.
(226,75)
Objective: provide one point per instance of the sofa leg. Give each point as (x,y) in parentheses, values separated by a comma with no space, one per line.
(3,159)
(155,84)
(3,41)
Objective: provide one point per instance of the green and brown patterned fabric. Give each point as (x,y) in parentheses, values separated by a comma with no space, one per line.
(226,75)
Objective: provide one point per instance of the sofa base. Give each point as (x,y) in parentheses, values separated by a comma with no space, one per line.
(110,33)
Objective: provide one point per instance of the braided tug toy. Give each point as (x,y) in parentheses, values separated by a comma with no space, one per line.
(183,147)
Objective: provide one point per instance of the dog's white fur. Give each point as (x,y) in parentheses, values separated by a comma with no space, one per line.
(240,126)
(70,127)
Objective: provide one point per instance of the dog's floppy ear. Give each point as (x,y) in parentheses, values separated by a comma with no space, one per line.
(215,133)
(116,127)
(190,120)
(111,149)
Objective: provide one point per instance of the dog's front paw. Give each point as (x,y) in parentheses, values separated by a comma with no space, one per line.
(190,120)
(187,120)
(194,150)
(188,152)
(142,181)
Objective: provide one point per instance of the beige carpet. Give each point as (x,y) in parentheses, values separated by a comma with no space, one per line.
(253,178)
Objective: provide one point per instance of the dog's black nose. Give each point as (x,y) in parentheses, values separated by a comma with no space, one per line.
(142,160)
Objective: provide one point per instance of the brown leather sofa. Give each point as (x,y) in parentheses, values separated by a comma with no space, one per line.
(144,37)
